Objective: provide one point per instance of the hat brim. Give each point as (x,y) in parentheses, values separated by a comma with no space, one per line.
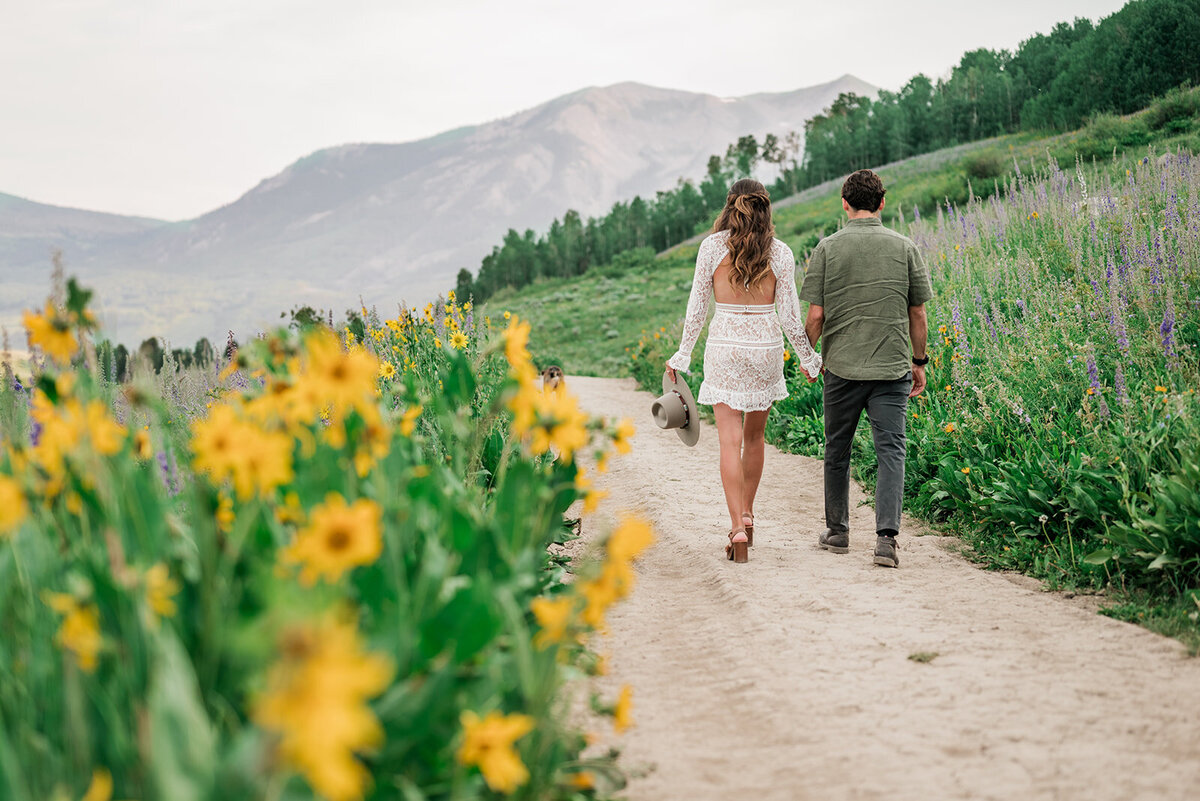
(690,434)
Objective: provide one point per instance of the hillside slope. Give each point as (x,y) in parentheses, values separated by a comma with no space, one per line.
(589,324)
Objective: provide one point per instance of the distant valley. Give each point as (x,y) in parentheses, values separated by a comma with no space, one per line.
(387,222)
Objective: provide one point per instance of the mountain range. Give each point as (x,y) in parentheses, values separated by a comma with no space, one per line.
(383,222)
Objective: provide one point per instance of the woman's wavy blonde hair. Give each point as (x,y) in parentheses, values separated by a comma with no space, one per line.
(747,217)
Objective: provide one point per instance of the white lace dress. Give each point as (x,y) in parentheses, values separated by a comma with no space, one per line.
(743,360)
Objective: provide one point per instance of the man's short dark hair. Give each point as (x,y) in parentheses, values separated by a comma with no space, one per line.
(863,190)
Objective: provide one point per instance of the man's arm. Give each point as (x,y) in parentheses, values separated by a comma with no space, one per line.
(918,332)
(814,323)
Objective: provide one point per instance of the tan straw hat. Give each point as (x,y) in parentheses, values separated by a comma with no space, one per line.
(677,409)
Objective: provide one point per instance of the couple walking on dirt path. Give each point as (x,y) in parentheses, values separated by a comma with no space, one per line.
(867,287)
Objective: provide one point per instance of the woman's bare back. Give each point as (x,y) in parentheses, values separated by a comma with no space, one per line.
(763,294)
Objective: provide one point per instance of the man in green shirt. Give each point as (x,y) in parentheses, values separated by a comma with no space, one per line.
(867,287)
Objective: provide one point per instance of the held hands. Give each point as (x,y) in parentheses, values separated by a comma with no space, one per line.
(918,385)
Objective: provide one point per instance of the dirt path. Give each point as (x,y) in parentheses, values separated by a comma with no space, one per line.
(789,677)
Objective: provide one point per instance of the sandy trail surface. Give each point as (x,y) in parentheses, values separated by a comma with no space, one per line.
(789,677)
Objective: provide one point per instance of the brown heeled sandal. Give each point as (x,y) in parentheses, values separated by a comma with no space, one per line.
(749,529)
(738,549)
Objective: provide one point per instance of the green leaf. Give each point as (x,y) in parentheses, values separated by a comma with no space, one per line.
(182,741)
(77,297)
(1099,556)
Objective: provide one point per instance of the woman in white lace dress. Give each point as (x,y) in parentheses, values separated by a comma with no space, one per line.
(751,275)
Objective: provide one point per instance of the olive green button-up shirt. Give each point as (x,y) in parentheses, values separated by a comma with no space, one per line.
(866,276)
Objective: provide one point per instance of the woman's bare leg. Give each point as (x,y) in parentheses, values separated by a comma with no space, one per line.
(753,448)
(729,433)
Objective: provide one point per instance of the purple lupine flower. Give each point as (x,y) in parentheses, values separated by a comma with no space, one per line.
(1166,331)
(1119,387)
(170,478)
(916,214)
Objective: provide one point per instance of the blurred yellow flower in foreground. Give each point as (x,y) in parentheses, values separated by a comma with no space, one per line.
(255,460)
(51,331)
(625,432)
(408,423)
(13,506)
(80,629)
(101,786)
(553,616)
(141,445)
(316,701)
(334,378)
(623,714)
(339,537)
(161,590)
(591,496)
(633,536)
(488,743)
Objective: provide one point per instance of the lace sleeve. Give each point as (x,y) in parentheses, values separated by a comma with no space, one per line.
(707,259)
(788,305)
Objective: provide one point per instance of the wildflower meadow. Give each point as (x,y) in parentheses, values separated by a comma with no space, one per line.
(1061,428)
(319,568)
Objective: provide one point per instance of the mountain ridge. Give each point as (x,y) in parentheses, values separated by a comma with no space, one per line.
(395,221)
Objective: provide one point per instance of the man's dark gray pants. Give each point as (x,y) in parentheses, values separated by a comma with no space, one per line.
(886,403)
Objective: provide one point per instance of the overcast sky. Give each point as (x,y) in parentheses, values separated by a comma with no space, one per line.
(170,108)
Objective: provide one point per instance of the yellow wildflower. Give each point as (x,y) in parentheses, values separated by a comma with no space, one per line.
(949,428)
(1160,389)
(581,781)
(966,471)
(553,616)
(507,315)
(387,370)
(599,594)
(591,496)
(633,536)
(625,432)
(458,340)
(142,446)
(228,448)
(1091,391)
(80,629)
(516,342)
(225,516)
(335,378)
(316,702)
(408,423)
(13,506)
(161,590)
(560,424)
(101,786)
(51,331)
(105,433)
(623,713)
(488,743)
(338,538)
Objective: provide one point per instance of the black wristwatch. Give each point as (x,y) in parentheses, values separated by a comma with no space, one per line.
(920,362)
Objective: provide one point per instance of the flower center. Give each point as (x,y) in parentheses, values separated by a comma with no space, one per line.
(338,539)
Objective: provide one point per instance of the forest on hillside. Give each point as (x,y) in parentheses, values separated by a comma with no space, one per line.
(1052,82)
